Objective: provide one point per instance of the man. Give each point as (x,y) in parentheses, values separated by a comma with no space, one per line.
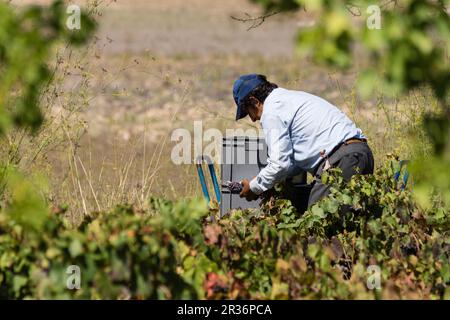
(302,131)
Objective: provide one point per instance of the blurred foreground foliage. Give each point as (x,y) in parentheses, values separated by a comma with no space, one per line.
(401,46)
(407,42)
(28,37)
(173,250)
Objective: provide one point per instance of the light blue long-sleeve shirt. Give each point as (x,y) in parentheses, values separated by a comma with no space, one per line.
(297,127)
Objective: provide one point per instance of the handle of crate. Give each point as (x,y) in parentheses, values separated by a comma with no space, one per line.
(212,173)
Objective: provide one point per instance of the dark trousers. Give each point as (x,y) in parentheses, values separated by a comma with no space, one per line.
(351,158)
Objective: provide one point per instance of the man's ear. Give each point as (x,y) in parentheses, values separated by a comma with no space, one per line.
(254,101)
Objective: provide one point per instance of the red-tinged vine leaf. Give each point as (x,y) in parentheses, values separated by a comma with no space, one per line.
(238,290)
(212,233)
(215,286)
(146,230)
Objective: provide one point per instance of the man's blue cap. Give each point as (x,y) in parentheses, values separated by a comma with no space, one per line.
(241,89)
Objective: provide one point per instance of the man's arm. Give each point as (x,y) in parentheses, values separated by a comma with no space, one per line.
(279,163)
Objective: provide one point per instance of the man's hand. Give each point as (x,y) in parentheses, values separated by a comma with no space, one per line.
(246,192)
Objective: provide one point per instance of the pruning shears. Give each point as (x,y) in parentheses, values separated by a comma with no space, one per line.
(233,186)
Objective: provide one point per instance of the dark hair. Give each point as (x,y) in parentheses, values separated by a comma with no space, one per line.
(260,92)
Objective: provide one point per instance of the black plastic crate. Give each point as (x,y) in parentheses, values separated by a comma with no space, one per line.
(243,158)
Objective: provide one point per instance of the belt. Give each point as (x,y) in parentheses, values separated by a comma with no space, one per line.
(345,142)
(354,140)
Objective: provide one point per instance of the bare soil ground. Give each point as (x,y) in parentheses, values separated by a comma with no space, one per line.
(203,27)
